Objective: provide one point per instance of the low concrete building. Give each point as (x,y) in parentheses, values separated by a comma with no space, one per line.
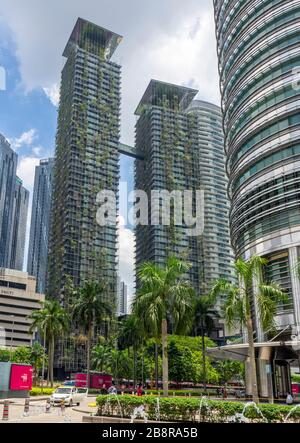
(18,300)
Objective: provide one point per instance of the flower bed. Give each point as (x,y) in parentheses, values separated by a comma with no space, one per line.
(188,409)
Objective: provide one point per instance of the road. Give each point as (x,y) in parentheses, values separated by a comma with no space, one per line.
(37,412)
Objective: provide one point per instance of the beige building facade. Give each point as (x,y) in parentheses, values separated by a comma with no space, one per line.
(18,299)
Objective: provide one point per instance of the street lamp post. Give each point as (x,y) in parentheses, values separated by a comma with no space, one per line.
(43,369)
(11,338)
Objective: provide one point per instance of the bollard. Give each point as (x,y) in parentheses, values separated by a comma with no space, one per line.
(63,407)
(48,406)
(26,408)
(5,410)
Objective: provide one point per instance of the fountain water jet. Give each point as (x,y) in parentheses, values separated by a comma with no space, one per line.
(291,412)
(139,412)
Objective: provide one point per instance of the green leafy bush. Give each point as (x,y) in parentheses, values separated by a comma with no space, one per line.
(38,391)
(187,409)
(184,392)
(296,378)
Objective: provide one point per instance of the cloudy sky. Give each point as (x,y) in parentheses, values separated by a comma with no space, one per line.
(169,40)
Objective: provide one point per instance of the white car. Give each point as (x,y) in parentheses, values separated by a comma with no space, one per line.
(71,395)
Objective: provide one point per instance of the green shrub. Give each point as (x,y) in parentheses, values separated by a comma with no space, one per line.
(38,391)
(184,392)
(296,378)
(187,409)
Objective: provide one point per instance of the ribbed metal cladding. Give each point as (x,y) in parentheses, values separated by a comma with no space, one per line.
(258,50)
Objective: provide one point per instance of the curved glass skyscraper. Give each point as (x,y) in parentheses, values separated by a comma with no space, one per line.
(259,51)
(216,257)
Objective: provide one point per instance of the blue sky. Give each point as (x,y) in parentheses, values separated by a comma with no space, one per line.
(172,41)
(24,112)
(28,120)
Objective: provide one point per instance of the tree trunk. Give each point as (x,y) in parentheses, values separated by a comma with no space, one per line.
(88,358)
(143,366)
(52,362)
(134,367)
(156,366)
(164,335)
(49,362)
(203,356)
(253,374)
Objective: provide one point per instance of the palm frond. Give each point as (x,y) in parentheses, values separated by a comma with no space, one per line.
(268,298)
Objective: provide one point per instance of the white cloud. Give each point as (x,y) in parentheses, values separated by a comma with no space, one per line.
(27,138)
(26,171)
(172,41)
(53,94)
(126,257)
(37,150)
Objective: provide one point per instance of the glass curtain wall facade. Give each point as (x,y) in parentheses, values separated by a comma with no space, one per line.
(216,255)
(8,168)
(40,220)
(87,161)
(258,49)
(18,227)
(167,138)
(181,142)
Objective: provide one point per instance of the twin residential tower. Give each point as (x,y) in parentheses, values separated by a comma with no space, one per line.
(179,146)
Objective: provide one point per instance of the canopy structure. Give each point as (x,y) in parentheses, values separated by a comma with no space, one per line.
(85,31)
(157,91)
(287,350)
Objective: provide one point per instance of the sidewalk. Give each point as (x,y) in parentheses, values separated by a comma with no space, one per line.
(21,401)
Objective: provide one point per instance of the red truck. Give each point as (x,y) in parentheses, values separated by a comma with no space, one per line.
(97,380)
(296,390)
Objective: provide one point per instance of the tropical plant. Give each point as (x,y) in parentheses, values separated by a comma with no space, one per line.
(228,369)
(37,357)
(52,321)
(164,295)
(90,310)
(119,364)
(186,362)
(100,356)
(132,335)
(205,316)
(239,299)
(21,354)
(4,355)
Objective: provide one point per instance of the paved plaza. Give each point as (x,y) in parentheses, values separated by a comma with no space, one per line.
(37,412)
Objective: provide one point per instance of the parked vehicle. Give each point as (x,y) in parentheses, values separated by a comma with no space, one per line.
(296,390)
(97,380)
(70,383)
(70,395)
(240,393)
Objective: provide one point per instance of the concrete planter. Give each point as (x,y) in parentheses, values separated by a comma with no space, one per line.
(97,419)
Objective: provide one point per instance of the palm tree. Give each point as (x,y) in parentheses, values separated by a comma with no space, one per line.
(52,321)
(239,299)
(100,356)
(205,316)
(132,334)
(119,364)
(37,358)
(164,295)
(91,310)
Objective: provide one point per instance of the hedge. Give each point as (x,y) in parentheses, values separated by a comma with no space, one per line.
(184,392)
(38,391)
(187,409)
